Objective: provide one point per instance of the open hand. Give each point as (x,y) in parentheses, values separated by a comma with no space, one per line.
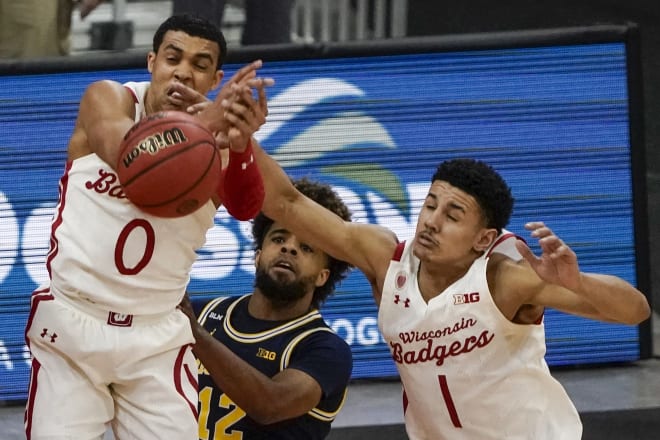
(244,113)
(213,112)
(557,263)
(241,77)
(182,96)
(194,102)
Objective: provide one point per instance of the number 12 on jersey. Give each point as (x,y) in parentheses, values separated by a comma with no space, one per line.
(222,429)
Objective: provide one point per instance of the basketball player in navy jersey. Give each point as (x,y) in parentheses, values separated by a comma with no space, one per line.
(108,344)
(269,366)
(461,303)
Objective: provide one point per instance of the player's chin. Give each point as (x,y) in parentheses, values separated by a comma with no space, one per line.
(174,105)
(421,250)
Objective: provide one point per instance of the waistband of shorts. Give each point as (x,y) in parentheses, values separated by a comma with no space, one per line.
(117,319)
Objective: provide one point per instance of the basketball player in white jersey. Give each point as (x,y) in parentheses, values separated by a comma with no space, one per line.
(461,303)
(109,345)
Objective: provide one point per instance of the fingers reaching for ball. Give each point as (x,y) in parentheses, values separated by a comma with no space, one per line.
(245,113)
(212,113)
(186,98)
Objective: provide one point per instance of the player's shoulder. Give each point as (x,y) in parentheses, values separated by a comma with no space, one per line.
(510,276)
(137,88)
(110,93)
(203,306)
(322,333)
(104,84)
(341,346)
(504,259)
(505,244)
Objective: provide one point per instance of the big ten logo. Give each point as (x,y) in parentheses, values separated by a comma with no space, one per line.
(363,332)
(266,354)
(466,298)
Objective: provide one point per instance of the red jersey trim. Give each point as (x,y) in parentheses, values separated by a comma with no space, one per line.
(54,243)
(398,251)
(135,98)
(502,239)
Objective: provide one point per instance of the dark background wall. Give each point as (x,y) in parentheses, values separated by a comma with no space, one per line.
(427,17)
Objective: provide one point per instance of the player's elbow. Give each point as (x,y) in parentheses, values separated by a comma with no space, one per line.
(277,205)
(268,413)
(637,310)
(641,311)
(273,407)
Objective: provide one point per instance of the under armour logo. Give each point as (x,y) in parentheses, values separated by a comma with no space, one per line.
(45,333)
(397,300)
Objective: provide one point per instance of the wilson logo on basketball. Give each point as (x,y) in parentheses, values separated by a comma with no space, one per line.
(153,143)
(466,298)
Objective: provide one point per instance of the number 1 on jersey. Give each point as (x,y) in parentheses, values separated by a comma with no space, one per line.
(446,395)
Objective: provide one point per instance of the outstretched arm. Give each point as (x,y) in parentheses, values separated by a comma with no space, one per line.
(555,280)
(367,247)
(241,186)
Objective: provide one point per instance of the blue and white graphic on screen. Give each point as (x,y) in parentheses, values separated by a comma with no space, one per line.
(552,120)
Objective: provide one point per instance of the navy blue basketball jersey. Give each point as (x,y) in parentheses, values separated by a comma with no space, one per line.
(305,343)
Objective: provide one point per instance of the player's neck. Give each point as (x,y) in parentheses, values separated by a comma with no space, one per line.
(261,307)
(432,283)
(148,104)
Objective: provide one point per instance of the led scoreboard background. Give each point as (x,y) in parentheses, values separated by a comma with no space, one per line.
(556,112)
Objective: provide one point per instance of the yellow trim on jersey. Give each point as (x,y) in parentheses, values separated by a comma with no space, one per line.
(286,354)
(324,416)
(262,336)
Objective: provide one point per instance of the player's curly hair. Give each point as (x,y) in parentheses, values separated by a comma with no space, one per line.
(195,26)
(325,196)
(482,182)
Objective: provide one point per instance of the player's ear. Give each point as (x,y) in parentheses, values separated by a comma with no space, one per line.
(484,239)
(219,74)
(151,58)
(322,277)
(257,255)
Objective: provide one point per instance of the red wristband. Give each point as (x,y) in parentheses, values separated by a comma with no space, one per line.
(245,158)
(241,185)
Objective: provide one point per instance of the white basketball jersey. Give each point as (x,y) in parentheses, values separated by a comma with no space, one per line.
(109,254)
(467,371)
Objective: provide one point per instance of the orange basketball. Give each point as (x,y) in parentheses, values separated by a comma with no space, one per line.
(169,164)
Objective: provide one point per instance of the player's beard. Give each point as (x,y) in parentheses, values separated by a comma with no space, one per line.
(281,292)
